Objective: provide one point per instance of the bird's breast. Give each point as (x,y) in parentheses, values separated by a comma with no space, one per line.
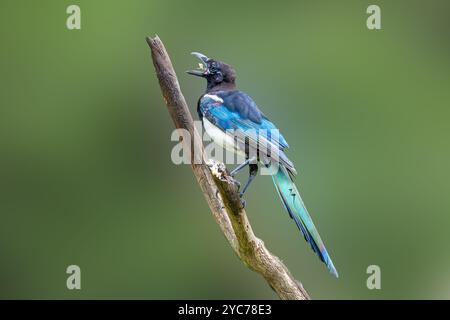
(220,137)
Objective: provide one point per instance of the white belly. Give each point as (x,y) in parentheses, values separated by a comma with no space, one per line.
(221,138)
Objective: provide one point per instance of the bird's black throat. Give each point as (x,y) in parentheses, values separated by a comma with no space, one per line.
(213,86)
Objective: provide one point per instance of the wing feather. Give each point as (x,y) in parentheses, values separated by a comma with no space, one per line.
(236,113)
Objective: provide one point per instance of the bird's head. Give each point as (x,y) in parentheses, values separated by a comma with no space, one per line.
(216,73)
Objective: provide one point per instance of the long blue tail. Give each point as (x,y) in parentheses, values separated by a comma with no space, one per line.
(294,205)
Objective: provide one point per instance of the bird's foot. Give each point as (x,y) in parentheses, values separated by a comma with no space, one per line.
(243,202)
(236,183)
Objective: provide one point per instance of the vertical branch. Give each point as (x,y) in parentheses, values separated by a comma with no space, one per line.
(216,184)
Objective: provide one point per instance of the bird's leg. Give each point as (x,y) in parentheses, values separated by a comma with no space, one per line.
(241,166)
(253,171)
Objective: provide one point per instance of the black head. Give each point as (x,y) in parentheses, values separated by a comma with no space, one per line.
(217,74)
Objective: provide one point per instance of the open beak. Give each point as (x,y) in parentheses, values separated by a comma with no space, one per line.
(202,71)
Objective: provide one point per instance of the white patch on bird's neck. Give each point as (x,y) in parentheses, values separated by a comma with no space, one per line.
(213,97)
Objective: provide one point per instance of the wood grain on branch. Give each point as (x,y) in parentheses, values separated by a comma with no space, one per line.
(220,192)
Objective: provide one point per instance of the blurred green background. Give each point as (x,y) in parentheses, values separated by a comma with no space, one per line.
(85,170)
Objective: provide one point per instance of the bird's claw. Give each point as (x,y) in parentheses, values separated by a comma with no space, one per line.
(236,183)
(243,202)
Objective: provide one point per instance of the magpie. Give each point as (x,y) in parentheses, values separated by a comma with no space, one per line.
(233,120)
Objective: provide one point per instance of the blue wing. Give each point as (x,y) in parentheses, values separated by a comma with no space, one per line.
(231,110)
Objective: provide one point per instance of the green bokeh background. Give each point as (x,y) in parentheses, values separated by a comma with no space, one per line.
(85,170)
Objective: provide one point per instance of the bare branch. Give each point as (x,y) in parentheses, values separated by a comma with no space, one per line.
(220,193)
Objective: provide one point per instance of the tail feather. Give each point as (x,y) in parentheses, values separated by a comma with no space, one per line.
(295,207)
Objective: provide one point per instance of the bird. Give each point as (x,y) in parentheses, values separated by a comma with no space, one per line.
(234,121)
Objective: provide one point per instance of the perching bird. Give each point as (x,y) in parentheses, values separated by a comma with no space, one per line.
(233,120)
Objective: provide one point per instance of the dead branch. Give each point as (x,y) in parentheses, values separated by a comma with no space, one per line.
(220,193)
